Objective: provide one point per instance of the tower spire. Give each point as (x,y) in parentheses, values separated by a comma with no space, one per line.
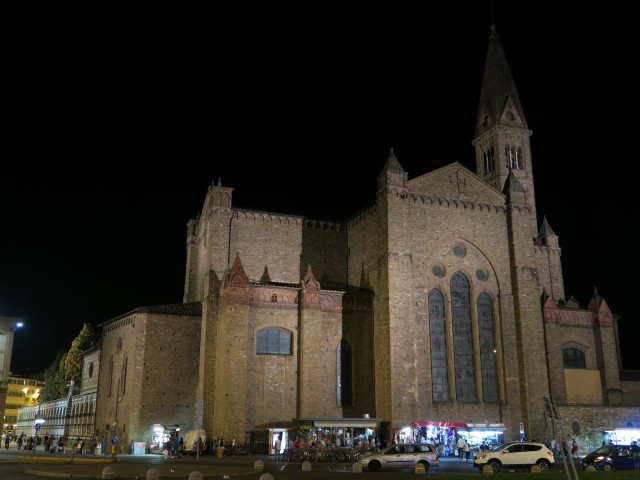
(502,136)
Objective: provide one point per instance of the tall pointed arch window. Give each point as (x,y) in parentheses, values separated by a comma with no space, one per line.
(125,365)
(487,349)
(344,380)
(462,339)
(110,376)
(437,334)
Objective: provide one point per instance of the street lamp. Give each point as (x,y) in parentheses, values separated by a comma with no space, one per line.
(38,425)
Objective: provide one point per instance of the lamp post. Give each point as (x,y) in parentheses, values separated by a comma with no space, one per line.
(38,425)
(114,438)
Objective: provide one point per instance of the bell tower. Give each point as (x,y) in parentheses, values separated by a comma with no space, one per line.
(502,137)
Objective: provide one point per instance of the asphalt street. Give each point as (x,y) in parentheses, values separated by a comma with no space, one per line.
(22,465)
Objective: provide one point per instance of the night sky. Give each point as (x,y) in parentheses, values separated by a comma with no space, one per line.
(116,118)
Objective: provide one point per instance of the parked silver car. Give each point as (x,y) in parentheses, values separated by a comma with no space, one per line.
(402,455)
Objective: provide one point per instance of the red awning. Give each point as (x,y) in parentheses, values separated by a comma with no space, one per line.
(439,424)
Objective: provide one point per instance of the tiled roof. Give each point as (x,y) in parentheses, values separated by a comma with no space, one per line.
(193,309)
(189,309)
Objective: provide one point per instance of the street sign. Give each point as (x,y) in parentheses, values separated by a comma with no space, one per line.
(38,426)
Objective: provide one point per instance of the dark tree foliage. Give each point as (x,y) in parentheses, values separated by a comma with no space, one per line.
(54,385)
(72,366)
(67,366)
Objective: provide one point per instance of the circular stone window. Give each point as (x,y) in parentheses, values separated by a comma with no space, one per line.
(459,250)
(482,275)
(438,270)
(575,426)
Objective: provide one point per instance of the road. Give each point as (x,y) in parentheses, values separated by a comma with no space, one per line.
(12,469)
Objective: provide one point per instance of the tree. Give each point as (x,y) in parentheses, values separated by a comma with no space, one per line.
(54,384)
(72,368)
(67,366)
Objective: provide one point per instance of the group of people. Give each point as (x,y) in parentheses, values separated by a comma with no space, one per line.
(21,441)
(464,450)
(563,448)
(173,447)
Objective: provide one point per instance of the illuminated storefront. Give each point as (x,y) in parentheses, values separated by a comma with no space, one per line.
(161,434)
(621,435)
(490,433)
(341,432)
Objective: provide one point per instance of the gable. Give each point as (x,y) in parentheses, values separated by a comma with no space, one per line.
(457,183)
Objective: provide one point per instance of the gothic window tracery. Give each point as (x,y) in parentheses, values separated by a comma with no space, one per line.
(514,157)
(487,348)
(437,334)
(462,338)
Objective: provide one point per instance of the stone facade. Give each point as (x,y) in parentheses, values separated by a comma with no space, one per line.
(443,300)
(148,363)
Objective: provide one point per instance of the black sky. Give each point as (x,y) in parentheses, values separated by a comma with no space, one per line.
(116,119)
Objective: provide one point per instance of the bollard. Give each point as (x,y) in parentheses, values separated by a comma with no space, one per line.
(195,475)
(266,476)
(306,466)
(108,473)
(590,468)
(535,469)
(419,469)
(153,474)
(356,468)
(258,465)
(487,470)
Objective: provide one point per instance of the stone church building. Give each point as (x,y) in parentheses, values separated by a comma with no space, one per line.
(442,301)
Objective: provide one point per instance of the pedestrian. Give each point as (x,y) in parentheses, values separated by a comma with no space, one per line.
(574,448)
(180,446)
(467,451)
(176,446)
(564,448)
(278,445)
(554,446)
(460,447)
(234,442)
(19,442)
(7,439)
(61,444)
(635,451)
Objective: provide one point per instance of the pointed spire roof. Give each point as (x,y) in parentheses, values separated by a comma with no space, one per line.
(545,228)
(512,184)
(236,275)
(499,100)
(310,284)
(392,165)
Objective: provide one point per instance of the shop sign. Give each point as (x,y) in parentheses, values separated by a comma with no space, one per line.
(439,424)
(485,425)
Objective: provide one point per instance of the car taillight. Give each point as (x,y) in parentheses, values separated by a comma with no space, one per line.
(550,454)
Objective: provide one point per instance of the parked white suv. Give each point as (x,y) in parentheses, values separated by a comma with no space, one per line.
(514,455)
(402,455)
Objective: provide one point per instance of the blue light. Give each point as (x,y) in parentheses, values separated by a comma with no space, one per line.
(18,324)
